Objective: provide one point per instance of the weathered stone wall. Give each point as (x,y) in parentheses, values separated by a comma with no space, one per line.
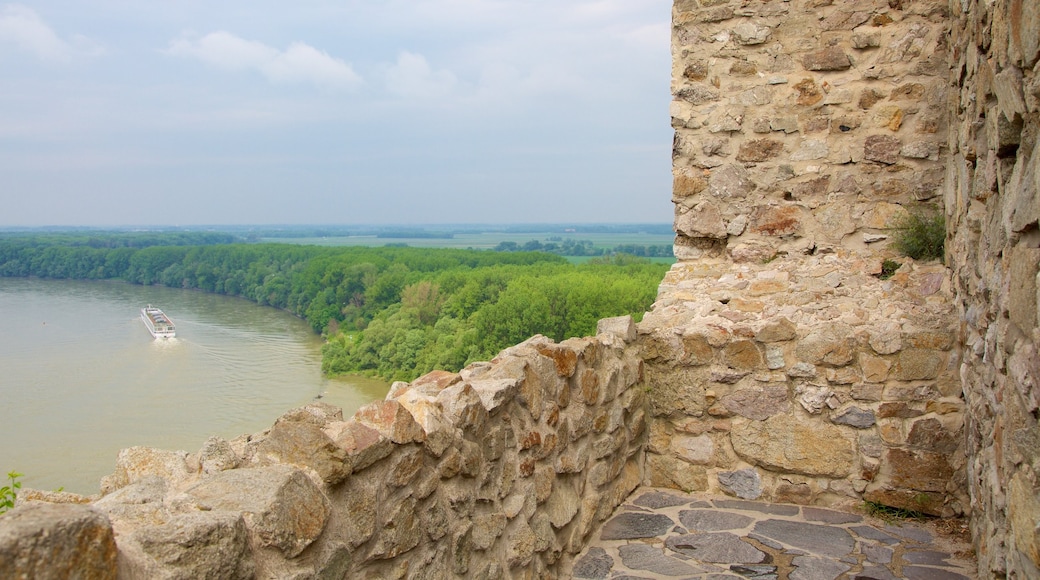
(780,365)
(993,207)
(500,471)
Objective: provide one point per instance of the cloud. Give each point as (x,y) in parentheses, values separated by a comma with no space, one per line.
(412,76)
(23,27)
(300,63)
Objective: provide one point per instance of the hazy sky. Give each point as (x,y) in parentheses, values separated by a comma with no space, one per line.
(144,112)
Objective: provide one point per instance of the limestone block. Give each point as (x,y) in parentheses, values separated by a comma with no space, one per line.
(136,463)
(666,471)
(758,150)
(793,444)
(757,403)
(281,506)
(729,182)
(854,417)
(196,545)
(698,450)
(882,148)
(1022,298)
(917,470)
(620,326)
(921,150)
(401,530)
(563,503)
(1024,516)
(216,455)
(56,541)
(778,330)
(702,221)
(782,220)
(814,399)
(743,483)
(832,346)
(742,354)
(811,149)
(829,59)
(916,364)
(392,420)
(363,445)
(305,445)
(749,33)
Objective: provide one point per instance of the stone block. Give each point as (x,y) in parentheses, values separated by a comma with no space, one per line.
(918,364)
(392,420)
(749,33)
(671,472)
(56,541)
(782,220)
(792,444)
(281,506)
(363,445)
(743,483)
(1022,296)
(757,403)
(882,148)
(216,455)
(832,346)
(194,545)
(917,470)
(730,182)
(136,463)
(703,220)
(758,150)
(829,59)
(620,326)
(305,445)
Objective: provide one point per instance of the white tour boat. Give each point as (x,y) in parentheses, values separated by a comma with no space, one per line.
(157,322)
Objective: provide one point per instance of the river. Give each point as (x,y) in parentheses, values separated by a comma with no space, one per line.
(81,377)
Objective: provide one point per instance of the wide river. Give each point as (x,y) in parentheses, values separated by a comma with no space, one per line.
(81,377)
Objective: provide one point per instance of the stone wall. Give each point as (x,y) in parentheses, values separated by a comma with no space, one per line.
(500,471)
(992,209)
(783,363)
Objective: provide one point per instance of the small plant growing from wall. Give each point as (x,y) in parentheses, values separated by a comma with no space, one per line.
(921,234)
(9,492)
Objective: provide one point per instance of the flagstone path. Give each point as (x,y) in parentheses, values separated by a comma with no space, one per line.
(662,533)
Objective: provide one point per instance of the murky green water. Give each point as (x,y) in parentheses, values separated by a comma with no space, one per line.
(81,377)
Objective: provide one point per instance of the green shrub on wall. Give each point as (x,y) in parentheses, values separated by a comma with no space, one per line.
(921,234)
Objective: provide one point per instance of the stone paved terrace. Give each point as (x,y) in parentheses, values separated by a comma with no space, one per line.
(663,533)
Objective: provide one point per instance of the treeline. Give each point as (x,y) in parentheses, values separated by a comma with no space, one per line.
(569,247)
(391,312)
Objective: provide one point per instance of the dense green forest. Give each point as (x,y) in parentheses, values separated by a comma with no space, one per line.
(390,311)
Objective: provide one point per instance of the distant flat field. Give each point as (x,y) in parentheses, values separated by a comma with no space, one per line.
(485,240)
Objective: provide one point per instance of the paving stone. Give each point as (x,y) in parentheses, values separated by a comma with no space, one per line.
(910,533)
(659,499)
(927,558)
(817,539)
(812,568)
(713,521)
(826,516)
(644,557)
(766,541)
(630,526)
(923,573)
(761,571)
(872,533)
(752,506)
(876,554)
(716,548)
(875,573)
(700,504)
(595,565)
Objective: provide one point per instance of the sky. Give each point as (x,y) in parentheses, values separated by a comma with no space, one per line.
(145,112)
